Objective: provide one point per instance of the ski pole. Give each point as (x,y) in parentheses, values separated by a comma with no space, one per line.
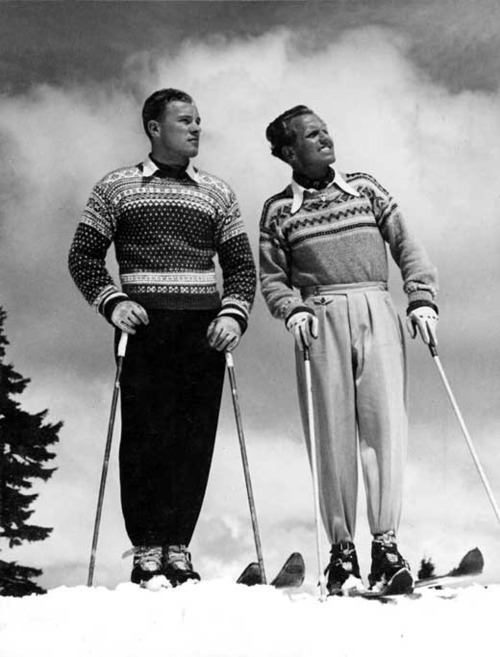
(246,468)
(435,358)
(314,468)
(122,347)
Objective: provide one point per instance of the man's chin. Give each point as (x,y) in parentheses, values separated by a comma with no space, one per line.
(324,161)
(328,157)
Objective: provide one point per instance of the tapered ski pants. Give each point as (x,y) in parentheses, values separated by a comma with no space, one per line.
(171,391)
(358,371)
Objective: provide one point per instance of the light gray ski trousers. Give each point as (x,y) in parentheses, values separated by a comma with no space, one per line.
(358,370)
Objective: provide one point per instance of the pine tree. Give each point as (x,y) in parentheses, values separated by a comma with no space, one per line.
(427,569)
(24,441)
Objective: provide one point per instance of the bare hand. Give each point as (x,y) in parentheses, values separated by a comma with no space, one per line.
(128,315)
(224,333)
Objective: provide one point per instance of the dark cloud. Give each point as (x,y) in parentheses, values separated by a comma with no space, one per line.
(62,43)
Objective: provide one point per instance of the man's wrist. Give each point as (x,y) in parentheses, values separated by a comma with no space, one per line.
(235,314)
(110,304)
(420,303)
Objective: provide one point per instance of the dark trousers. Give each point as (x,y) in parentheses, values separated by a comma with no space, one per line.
(171,391)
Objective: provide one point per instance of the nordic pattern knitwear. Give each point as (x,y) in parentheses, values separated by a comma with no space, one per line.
(166,232)
(336,238)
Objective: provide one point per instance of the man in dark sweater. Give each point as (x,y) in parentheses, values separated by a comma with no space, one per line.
(167,221)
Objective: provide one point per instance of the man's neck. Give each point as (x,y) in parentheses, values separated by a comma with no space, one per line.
(314,179)
(169,170)
(168,159)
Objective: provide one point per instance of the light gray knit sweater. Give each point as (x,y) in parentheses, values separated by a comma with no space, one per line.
(337,237)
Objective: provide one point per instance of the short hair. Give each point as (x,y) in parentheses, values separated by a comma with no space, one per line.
(280,134)
(154,106)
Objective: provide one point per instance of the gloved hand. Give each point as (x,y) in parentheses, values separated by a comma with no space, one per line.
(304,327)
(424,319)
(224,333)
(127,316)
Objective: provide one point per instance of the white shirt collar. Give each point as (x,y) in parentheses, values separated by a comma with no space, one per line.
(298,190)
(149,168)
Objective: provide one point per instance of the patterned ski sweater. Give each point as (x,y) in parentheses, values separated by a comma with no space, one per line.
(337,235)
(166,232)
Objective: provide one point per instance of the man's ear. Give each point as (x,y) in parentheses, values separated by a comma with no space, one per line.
(288,154)
(153,128)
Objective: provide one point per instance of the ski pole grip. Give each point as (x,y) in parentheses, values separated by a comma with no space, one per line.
(432,346)
(306,352)
(229,359)
(122,345)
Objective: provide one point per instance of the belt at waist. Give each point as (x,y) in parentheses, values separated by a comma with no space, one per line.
(341,288)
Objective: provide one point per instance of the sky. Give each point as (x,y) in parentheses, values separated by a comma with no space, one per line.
(410,90)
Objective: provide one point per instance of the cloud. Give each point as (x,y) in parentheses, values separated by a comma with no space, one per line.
(436,151)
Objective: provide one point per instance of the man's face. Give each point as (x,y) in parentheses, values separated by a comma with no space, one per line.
(176,135)
(313,149)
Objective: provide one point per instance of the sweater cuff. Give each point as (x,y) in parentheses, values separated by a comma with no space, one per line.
(419,303)
(419,294)
(110,304)
(235,313)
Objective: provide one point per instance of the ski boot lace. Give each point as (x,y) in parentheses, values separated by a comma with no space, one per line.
(343,555)
(148,557)
(386,543)
(179,558)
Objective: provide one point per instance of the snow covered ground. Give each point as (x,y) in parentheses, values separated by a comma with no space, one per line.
(220,619)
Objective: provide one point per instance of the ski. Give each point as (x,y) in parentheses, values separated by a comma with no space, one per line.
(471,565)
(291,575)
(251,575)
(400,584)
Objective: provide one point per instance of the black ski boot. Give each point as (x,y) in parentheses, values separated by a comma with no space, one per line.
(343,570)
(177,566)
(390,573)
(147,564)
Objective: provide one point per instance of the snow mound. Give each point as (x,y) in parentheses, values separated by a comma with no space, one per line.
(221,619)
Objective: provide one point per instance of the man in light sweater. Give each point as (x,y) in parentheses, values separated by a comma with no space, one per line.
(324,271)
(167,221)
